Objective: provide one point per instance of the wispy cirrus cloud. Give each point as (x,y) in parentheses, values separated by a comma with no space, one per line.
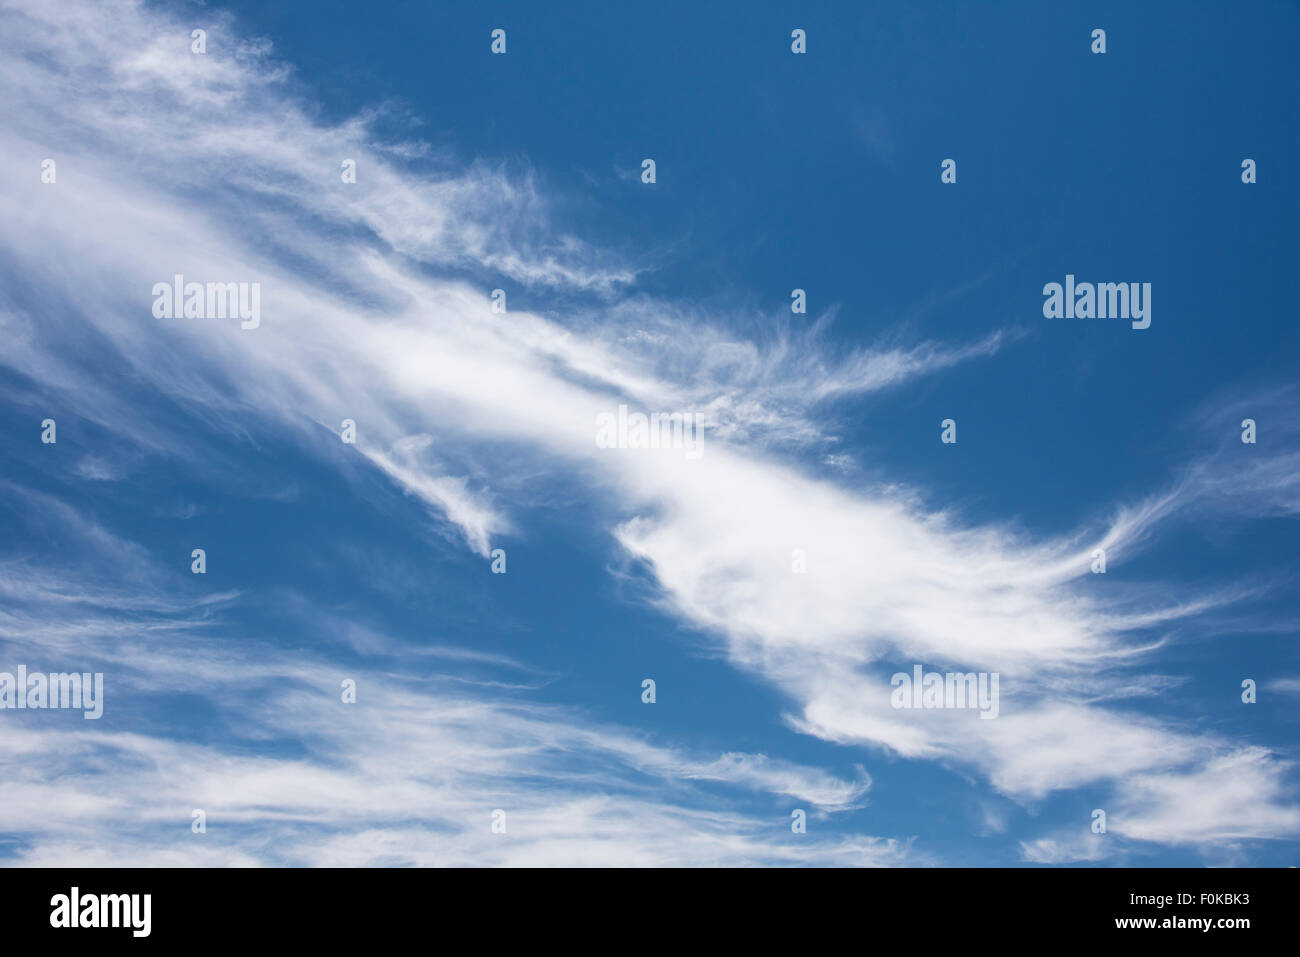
(375,297)
(287,773)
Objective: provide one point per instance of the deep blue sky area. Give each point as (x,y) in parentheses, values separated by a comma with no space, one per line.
(822,172)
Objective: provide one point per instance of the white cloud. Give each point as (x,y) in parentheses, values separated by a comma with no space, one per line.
(287,773)
(1238,795)
(365,318)
(1067,848)
(413,768)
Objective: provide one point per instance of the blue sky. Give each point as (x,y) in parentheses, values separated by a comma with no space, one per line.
(371,562)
